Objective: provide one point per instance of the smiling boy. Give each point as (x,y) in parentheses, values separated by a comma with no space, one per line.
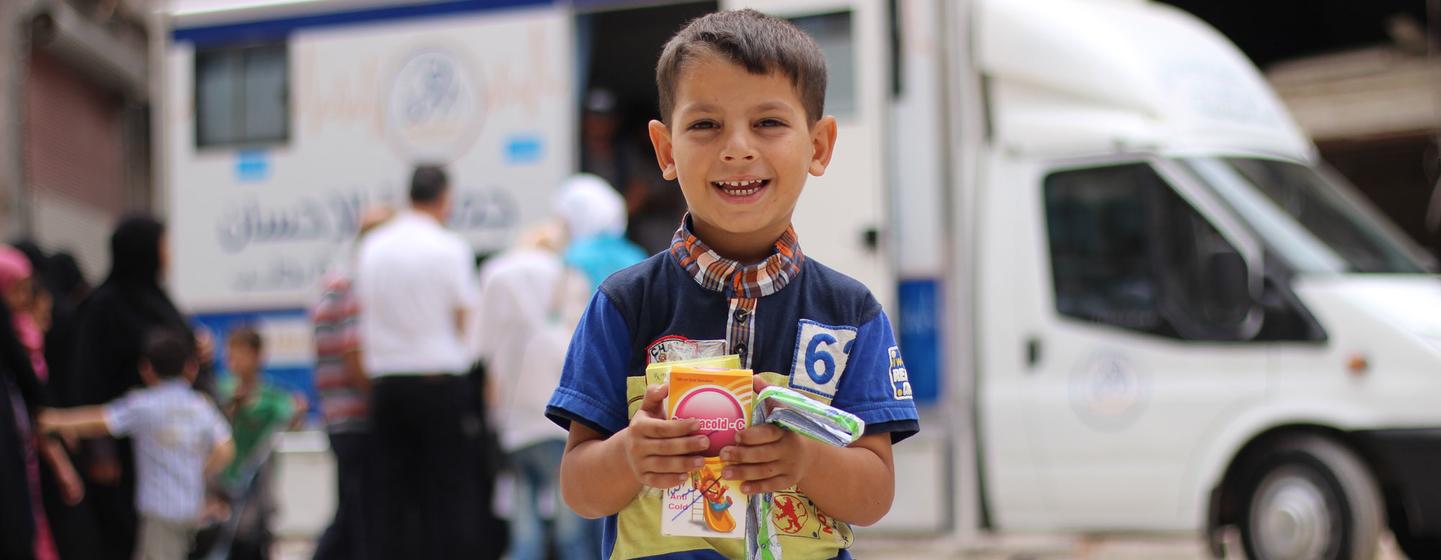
(742,126)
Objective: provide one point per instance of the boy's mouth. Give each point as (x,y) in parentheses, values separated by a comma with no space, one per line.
(741,188)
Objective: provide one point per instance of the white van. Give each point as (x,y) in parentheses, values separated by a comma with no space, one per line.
(1130,296)
(1172,316)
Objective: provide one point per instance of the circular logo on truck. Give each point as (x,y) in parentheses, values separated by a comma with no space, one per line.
(434,109)
(1107,392)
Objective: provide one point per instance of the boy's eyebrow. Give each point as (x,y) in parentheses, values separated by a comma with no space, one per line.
(701,107)
(773,106)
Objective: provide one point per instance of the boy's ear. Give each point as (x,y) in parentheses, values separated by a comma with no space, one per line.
(660,140)
(147,373)
(823,141)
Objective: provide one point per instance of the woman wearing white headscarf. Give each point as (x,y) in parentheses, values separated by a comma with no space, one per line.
(595,221)
(531,298)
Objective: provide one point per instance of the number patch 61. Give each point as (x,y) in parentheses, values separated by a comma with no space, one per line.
(821,355)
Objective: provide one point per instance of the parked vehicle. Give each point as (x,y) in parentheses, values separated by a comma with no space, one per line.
(1130,296)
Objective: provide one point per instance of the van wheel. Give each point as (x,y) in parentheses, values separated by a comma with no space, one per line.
(1310,498)
(1419,548)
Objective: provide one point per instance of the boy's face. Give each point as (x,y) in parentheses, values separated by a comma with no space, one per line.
(242,360)
(741,146)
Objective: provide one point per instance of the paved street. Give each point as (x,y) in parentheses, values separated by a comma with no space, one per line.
(306,468)
(1042,547)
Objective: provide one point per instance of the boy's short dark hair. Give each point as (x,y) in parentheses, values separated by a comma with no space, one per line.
(427,183)
(168,351)
(760,43)
(246,336)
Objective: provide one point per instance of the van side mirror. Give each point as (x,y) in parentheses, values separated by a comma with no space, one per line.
(1229,283)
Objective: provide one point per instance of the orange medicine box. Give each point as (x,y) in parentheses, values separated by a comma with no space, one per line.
(707,505)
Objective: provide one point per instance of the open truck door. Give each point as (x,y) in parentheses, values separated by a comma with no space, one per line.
(848,218)
(842,216)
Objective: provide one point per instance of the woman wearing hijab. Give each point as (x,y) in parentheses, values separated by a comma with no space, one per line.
(17,518)
(109,327)
(26,285)
(595,222)
(30,316)
(531,298)
(58,278)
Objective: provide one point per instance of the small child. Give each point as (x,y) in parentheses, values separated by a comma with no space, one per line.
(180,441)
(742,125)
(256,409)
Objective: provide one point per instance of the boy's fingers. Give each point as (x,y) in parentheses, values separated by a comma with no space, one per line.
(678,464)
(685,445)
(759,435)
(654,400)
(773,484)
(758,471)
(759,383)
(739,454)
(654,428)
(663,480)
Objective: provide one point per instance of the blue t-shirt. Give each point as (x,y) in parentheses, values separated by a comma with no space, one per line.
(822,329)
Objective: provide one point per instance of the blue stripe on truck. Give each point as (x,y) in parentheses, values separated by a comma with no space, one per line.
(280,28)
(920,334)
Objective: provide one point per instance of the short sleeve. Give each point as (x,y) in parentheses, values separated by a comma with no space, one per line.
(592,381)
(347,324)
(334,316)
(463,276)
(217,428)
(283,409)
(876,386)
(123,415)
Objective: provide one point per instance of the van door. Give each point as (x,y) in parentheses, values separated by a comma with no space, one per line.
(1139,340)
(841,216)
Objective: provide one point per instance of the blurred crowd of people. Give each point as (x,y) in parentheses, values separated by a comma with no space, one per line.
(121,438)
(434,377)
(94,458)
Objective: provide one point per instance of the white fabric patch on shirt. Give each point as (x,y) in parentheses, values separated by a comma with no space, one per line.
(900,378)
(821,355)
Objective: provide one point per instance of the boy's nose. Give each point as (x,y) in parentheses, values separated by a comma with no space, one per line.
(736,148)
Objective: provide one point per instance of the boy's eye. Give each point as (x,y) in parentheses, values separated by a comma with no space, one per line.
(770,123)
(701,125)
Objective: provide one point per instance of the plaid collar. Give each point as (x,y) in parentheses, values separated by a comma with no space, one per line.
(716,273)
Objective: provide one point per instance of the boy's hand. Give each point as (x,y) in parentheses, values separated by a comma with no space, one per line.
(72,488)
(204,345)
(45,421)
(50,422)
(767,458)
(662,452)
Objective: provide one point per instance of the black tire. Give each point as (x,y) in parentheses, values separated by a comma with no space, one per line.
(1419,548)
(1311,498)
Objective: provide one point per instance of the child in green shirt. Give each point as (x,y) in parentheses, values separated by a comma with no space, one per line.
(256,409)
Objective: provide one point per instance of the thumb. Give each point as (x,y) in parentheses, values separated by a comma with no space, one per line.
(654,400)
(760,383)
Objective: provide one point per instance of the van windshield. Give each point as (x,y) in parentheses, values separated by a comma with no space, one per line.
(1312,220)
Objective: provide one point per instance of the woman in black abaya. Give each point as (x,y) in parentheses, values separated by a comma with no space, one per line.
(17,386)
(110,326)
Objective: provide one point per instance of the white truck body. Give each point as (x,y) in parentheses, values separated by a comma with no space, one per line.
(1274,314)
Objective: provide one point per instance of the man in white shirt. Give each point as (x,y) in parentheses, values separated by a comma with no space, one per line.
(415,280)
